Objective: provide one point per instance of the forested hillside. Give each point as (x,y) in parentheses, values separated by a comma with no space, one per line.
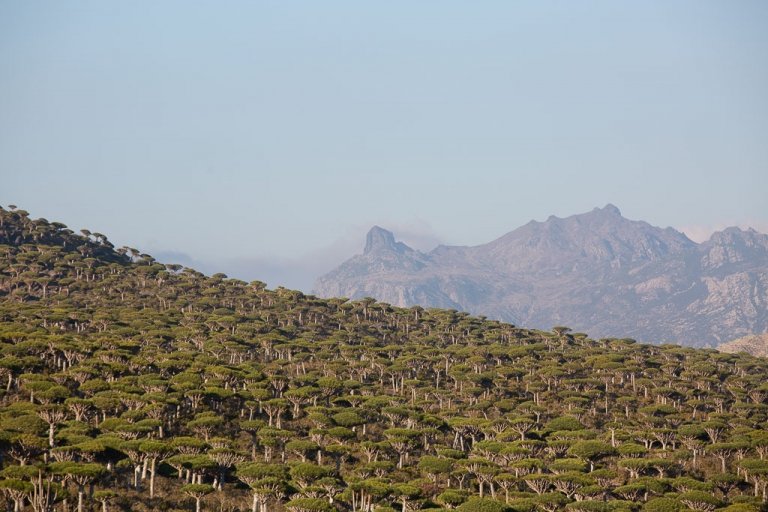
(134,385)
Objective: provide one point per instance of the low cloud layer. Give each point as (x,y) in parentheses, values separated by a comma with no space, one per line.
(300,272)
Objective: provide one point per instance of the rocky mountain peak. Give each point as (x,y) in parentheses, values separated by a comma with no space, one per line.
(735,246)
(609,210)
(598,237)
(379,238)
(746,237)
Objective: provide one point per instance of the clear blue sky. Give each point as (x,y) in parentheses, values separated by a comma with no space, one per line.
(263,139)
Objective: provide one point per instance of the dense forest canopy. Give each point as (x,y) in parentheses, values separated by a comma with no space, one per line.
(128,384)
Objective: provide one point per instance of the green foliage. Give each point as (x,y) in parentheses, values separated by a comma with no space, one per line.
(590,451)
(435,465)
(306,472)
(477,504)
(348,419)
(75,469)
(562,465)
(13,484)
(549,500)
(699,500)
(663,505)
(452,497)
(564,423)
(590,506)
(309,505)
(742,507)
(632,450)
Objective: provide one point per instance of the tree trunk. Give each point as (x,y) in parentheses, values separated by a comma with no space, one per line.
(152,479)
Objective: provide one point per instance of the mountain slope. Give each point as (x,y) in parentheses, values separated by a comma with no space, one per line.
(597,272)
(756,345)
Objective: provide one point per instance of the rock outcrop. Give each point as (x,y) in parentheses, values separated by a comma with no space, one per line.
(756,345)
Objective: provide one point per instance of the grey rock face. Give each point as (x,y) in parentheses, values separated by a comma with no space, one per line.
(597,272)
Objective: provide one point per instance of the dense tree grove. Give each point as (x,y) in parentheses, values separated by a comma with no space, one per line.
(128,384)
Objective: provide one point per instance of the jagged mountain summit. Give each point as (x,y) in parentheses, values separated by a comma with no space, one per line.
(596,272)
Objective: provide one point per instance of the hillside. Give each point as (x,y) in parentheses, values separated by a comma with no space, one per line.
(597,272)
(135,385)
(756,345)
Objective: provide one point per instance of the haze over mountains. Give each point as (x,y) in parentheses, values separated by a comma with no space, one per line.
(596,272)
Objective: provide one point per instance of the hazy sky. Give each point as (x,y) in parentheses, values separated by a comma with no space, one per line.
(263,139)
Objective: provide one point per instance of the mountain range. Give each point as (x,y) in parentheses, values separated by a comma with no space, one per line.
(596,272)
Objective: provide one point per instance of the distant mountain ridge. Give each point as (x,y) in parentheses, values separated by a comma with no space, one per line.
(596,272)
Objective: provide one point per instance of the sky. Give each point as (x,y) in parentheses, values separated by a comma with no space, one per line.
(263,139)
